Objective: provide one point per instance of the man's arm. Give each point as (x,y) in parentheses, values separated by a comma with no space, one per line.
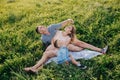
(62,24)
(67,22)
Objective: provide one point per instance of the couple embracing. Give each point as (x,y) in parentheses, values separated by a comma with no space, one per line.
(58,43)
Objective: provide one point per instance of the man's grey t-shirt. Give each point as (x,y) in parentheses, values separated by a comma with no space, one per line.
(52,29)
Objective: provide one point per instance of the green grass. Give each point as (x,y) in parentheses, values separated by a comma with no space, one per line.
(97,23)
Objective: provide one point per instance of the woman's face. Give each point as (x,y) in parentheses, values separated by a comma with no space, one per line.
(68,29)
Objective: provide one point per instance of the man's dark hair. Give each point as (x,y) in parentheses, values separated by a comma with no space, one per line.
(37,30)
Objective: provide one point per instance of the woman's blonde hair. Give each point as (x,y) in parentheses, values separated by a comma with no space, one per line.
(73,32)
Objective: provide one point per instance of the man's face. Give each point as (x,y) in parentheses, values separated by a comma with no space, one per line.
(42,29)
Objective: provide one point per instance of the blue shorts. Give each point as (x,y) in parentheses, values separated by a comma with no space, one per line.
(63,55)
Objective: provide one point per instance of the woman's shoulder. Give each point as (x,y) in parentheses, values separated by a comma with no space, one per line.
(58,31)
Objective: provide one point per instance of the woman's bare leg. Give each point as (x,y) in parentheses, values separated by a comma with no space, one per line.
(45,57)
(74,48)
(86,45)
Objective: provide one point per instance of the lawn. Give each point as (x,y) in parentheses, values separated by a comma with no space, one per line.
(97,23)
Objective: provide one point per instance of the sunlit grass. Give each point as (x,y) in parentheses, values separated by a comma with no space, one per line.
(97,22)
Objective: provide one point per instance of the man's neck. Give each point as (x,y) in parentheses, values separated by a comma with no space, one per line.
(47,33)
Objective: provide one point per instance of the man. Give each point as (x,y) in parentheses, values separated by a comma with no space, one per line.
(49,32)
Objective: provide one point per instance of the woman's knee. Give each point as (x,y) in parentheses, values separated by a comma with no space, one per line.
(50,53)
(46,54)
(79,49)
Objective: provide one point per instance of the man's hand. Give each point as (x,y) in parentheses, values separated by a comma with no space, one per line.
(67,22)
(70,21)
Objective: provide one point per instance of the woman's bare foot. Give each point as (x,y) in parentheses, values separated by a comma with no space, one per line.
(27,69)
(31,70)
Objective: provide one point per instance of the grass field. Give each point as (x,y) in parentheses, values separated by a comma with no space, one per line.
(97,23)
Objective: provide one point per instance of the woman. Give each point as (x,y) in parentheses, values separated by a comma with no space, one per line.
(59,47)
(62,41)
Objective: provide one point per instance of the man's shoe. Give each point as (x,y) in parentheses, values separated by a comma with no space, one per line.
(82,67)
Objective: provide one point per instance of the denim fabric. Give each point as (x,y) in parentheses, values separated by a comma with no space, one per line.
(63,55)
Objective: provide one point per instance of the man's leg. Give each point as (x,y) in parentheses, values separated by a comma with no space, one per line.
(77,63)
(73,60)
(86,45)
